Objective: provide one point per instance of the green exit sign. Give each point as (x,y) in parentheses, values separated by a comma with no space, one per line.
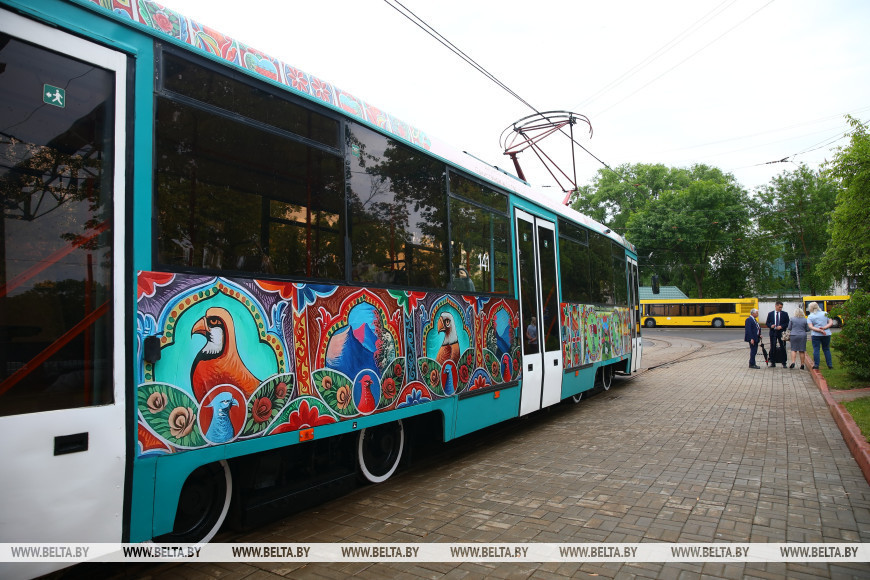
(55,96)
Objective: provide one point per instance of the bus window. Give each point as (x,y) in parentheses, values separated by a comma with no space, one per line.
(56,263)
(398,212)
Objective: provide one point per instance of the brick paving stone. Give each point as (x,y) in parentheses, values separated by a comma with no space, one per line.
(701,450)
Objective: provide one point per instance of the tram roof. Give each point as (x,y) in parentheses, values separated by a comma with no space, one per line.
(158,20)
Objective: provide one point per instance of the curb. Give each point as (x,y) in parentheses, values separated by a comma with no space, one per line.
(855,441)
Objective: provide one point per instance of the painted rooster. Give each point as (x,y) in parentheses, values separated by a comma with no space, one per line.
(366,400)
(450,346)
(219,362)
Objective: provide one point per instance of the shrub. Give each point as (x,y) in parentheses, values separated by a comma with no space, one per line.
(853,341)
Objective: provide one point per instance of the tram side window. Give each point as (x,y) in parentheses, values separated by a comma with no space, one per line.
(601,270)
(574,262)
(232,196)
(480,244)
(225,92)
(398,212)
(620,277)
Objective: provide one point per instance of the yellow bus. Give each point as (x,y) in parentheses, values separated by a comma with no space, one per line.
(715,312)
(826,303)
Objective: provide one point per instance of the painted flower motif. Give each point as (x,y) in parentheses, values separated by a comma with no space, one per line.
(494,368)
(415,397)
(298,79)
(162,21)
(306,416)
(262,410)
(479,383)
(389,388)
(434,379)
(463,373)
(148,282)
(326,383)
(469,360)
(181,421)
(425,368)
(280,390)
(343,397)
(397,371)
(156,402)
(516,366)
(321,90)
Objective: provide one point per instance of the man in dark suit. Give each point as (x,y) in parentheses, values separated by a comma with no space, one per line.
(777,322)
(753,337)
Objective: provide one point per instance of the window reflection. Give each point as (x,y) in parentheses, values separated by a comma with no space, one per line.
(398,212)
(55,235)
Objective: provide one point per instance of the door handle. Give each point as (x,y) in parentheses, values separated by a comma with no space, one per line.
(64,444)
(531,367)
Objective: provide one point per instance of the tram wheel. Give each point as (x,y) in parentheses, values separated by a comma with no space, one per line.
(650,323)
(202,505)
(380,450)
(606,376)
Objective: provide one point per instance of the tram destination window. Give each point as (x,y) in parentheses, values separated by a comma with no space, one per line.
(397,209)
(480,244)
(574,262)
(234,196)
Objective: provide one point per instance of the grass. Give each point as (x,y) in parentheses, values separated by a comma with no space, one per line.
(837,378)
(860,411)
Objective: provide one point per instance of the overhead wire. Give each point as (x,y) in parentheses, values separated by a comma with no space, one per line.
(419,22)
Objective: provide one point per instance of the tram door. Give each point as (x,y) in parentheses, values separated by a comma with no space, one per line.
(539,313)
(634,313)
(62,420)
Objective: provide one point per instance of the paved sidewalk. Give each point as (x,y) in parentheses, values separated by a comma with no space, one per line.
(703,450)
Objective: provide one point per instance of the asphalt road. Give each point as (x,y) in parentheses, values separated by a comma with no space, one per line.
(696,333)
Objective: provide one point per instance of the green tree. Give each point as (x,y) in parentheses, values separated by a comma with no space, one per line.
(851,343)
(693,228)
(795,210)
(848,253)
(614,195)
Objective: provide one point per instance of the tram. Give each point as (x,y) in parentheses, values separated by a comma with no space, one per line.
(215,264)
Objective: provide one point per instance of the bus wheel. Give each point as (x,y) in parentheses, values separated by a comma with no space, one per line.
(718,323)
(203,505)
(837,322)
(606,376)
(379,451)
(650,323)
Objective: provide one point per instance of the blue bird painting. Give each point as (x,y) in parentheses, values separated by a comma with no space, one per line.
(221,428)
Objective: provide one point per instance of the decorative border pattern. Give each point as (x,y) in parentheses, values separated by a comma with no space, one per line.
(165,21)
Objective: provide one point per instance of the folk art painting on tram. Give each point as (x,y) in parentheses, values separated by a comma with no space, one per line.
(209,365)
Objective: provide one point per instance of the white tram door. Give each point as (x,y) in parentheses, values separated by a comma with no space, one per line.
(539,313)
(634,313)
(62,429)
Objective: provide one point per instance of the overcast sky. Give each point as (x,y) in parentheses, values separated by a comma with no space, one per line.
(729,83)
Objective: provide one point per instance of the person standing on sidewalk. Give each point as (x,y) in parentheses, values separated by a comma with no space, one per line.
(777,320)
(820,324)
(797,328)
(752,336)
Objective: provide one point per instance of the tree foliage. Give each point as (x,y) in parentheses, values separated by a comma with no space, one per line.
(795,209)
(848,253)
(614,195)
(852,341)
(695,227)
